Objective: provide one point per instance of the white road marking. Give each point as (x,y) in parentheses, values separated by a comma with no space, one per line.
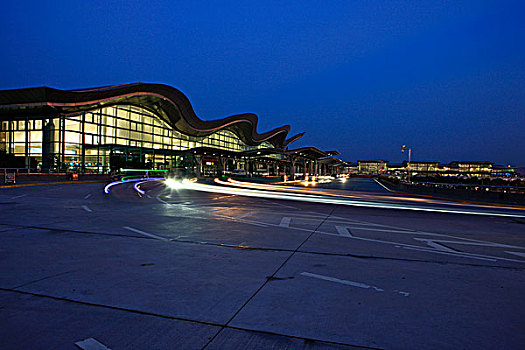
(285,221)
(391,231)
(87,196)
(440,247)
(470,242)
(520,254)
(22,195)
(244,215)
(337,280)
(144,233)
(343,231)
(86,208)
(380,184)
(405,294)
(91,344)
(463,255)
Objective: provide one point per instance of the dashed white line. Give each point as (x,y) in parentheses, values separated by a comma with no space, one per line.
(22,195)
(86,208)
(87,196)
(144,233)
(91,344)
(351,283)
(343,231)
(520,254)
(337,280)
(440,247)
(285,221)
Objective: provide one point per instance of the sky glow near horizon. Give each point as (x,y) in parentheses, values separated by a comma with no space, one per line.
(446,78)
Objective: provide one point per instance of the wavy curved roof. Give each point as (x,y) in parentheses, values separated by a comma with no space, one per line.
(168,103)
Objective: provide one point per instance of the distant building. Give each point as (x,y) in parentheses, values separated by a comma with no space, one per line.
(470,168)
(370,167)
(422,167)
(396,169)
(351,168)
(504,171)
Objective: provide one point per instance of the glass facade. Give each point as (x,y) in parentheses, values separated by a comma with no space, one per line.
(99,139)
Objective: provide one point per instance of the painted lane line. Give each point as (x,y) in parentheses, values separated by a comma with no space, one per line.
(285,221)
(470,242)
(144,233)
(343,231)
(380,184)
(429,250)
(345,282)
(91,344)
(441,247)
(405,294)
(461,255)
(244,215)
(87,196)
(390,231)
(22,195)
(86,208)
(520,254)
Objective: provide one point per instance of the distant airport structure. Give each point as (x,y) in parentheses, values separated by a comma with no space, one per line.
(430,168)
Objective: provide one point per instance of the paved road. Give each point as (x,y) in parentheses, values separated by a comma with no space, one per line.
(188,269)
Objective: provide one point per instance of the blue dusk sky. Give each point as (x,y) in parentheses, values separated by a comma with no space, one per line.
(446,78)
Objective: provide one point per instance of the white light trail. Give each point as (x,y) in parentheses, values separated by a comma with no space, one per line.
(323,199)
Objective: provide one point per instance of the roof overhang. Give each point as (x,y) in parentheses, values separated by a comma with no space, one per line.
(166,102)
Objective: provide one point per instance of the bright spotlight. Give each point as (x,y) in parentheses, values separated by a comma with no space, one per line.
(174,184)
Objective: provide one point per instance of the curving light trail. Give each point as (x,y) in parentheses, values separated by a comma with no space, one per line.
(142,180)
(383,198)
(270,192)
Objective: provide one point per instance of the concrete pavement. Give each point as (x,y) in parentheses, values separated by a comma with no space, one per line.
(184,269)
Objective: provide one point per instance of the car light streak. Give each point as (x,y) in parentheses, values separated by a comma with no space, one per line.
(329,199)
(114,183)
(137,185)
(337,193)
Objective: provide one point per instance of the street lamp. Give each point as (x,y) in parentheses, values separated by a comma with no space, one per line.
(403,148)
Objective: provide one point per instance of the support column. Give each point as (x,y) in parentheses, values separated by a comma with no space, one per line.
(26,145)
(83,154)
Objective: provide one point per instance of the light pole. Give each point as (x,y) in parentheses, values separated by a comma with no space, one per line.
(403,148)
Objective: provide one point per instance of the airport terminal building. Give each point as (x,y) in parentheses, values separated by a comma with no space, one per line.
(143,126)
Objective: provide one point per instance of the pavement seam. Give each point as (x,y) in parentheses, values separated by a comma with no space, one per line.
(182,319)
(269,278)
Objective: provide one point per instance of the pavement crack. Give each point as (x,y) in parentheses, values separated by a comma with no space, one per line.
(44,278)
